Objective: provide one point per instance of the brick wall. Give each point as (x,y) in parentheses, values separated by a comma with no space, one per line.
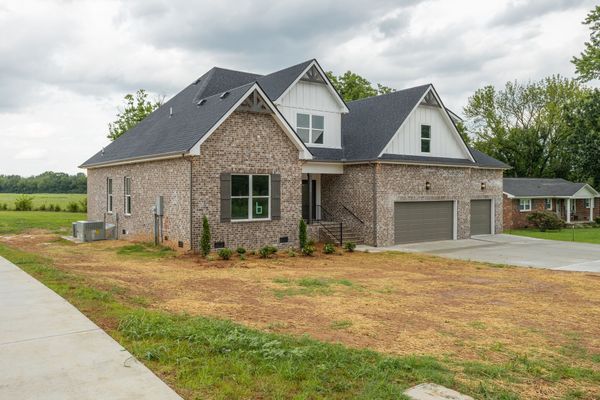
(515,219)
(247,143)
(167,178)
(397,182)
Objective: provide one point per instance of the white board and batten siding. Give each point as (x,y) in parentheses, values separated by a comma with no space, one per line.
(315,99)
(444,141)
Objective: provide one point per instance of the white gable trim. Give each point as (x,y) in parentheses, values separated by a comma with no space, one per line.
(446,117)
(281,121)
(330,87)
(585,192)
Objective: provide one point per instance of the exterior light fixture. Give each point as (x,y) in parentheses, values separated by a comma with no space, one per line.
(482,185)
(427,185)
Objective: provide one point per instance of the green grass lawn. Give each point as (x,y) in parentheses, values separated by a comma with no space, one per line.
(585,235)
(12,222)
(60,199)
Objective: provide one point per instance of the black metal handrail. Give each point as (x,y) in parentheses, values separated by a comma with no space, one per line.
(354,215)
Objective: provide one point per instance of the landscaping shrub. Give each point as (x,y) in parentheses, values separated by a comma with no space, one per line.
(267,251)
(24,203)
(205,238)
(329,248)
(545,220)
(302,233)
(225,253)
(308,249)
(72,207)
(350,246)
(240,250)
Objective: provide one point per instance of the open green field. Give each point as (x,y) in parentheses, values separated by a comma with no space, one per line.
(60,199)
(12,222)
(585,235)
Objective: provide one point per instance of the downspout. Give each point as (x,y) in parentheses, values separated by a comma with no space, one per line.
(375,204)
(191,206)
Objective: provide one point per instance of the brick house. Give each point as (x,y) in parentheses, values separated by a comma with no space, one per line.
(572,202)
(257,153)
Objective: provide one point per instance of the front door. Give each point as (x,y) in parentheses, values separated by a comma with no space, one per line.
(305,198)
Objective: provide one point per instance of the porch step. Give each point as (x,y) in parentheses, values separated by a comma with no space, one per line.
(331,231)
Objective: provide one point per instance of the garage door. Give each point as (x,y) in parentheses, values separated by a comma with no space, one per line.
(423,221)
(481,217)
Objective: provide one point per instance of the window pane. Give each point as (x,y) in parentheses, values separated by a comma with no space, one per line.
(303,121)
(260,185)
(239,208)
(425,145)
(317,136)
(318,122)
(303,133)
(128,205)
(260,208)
(240,185)
(425,131)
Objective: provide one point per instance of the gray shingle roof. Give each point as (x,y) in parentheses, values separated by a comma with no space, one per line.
(535,187)
(372,122)
(366,129)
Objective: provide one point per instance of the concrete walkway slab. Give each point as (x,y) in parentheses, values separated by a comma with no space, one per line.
(510,250)
(49,350)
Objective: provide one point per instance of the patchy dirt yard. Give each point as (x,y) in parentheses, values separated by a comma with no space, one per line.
(390,302)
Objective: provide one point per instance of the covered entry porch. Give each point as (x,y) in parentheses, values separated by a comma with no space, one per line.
(578,208)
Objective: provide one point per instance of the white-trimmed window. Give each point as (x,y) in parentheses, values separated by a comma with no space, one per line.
(127,195)
(548,204)
(524,204)
(109,195)
(310,128)
(250,197)
(587,203)
(425,138)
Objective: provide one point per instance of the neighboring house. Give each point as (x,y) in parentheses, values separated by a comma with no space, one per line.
(255,154)
(573,202)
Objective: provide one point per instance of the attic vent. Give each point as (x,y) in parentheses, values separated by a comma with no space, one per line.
(170,112)
(225,94)
(201,102)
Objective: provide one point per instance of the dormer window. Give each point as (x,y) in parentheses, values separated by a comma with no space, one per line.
(425,138)
(310,128)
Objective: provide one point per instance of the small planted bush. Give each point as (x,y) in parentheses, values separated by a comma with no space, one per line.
(24,203)
(225,253)
(308,249)
(240,250)
(205,238)
(545,220)
(328,248)
(267,251)
(349,246)
(72,207)
(302,237)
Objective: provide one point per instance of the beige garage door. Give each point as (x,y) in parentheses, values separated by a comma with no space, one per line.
(423,221)
(481,217)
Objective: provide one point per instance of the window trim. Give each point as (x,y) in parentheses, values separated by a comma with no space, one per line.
(587,203)
(126,195)
(523,202)
(426,139)
(546,204)
(250,197)
(109,196)
(310,128)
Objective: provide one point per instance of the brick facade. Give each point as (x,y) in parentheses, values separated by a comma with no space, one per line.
(370,191)
(515,219)
(247,143)
(167,178)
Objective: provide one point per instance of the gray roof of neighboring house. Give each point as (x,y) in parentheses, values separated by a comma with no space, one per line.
(540,187)
(379,117)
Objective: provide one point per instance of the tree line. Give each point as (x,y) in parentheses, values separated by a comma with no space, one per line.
(48,182)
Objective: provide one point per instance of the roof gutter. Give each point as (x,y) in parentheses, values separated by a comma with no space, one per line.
(158,157)
(429,164)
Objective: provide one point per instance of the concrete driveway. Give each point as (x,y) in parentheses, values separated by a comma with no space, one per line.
(49,350)
(512,250)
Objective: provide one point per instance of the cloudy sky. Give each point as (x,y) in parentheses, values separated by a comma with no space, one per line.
(65,65)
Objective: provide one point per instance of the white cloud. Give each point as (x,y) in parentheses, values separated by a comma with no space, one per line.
(66,65)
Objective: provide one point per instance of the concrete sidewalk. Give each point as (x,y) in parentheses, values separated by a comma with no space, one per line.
(49,350)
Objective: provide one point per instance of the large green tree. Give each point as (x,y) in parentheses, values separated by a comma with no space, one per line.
(584,143)
(525,125)
(352,86)
(135,109)
(587,65)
